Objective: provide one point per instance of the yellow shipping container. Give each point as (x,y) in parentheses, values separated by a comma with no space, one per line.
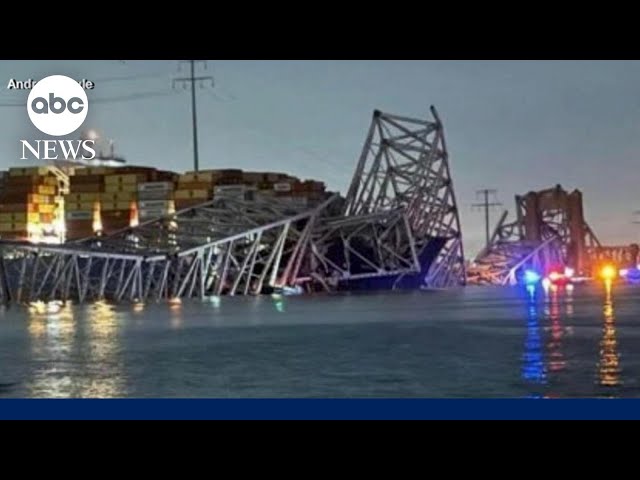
(6,227)
(46,190)
(125,196)
(20,217)
(99,170)
(36,171)
(207,177)
(204,194)
(89,197)
(118,196)
(107,197)
(120,187)
(16,172)
(19,227)
(92,171)
(79,207)
(109,206)
(39,199)
(130,178)
(46,208)
(123,205)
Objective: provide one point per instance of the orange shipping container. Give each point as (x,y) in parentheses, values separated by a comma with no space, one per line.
(46,218)
(195,186)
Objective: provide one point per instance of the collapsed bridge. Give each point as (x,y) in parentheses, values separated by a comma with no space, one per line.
(398,227)
(549,231)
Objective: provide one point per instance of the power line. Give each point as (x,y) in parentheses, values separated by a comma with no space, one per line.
(122,98)
(133,96)
(129,77)
(192,79)
(486,205)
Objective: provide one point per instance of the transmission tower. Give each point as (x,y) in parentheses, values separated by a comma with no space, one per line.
(486,205)
(191,80)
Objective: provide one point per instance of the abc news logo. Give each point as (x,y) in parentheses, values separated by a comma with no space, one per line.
(58,106)
(41,105)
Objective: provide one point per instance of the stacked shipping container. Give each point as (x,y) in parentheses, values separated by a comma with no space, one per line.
(86,192)
(155,199)
(116,191)
(31,205)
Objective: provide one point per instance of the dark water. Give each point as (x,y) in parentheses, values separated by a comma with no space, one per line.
(463,343)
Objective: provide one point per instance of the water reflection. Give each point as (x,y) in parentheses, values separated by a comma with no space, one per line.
(533,370)
(104,378)
(557,362)
(609,363)
(175,310)
(74,358)
(52,329)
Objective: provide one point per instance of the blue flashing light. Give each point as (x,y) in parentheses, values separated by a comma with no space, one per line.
(633,273)
(531,277)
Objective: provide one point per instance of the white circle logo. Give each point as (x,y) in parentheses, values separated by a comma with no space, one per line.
(57,105)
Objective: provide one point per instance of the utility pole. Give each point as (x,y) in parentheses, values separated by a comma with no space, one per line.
(192,79)
(636,214)
(486,205)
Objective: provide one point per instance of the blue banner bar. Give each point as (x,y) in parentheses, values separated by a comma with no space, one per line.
(319,409)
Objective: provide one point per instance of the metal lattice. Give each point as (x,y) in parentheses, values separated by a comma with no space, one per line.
(399,222)
(405,166)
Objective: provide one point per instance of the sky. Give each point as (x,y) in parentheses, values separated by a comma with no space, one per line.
(514,126)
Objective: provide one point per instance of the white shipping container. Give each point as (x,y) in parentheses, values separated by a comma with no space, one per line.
(155,187)
(148,213)
(79,215)
(222,189)
(155,204)
(152,195)
(282,187)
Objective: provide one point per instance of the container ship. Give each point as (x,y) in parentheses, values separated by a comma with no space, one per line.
(56,204)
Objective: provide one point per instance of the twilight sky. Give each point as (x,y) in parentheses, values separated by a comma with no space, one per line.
(511,125)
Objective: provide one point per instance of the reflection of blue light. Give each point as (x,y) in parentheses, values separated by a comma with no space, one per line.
(531,277)
(533,370)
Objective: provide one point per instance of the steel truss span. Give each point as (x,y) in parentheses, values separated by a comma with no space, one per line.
(404,166)
(397,228)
